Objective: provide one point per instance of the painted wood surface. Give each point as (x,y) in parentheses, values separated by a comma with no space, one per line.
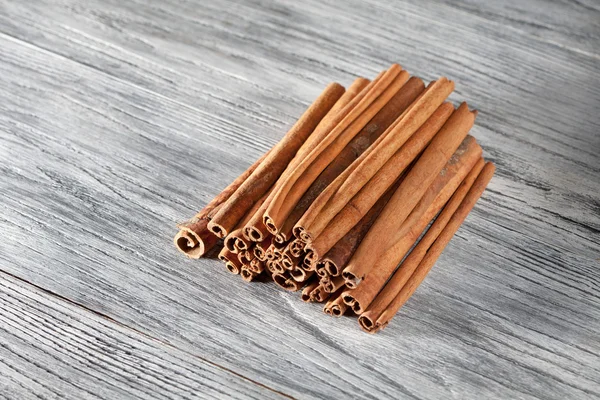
(51,348)
(118,119)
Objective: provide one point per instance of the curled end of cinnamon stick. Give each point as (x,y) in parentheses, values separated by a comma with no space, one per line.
(321,270)
(285,282)
(351,302)
(297,248)
(245,256)
(309,263)
(217,229)
(331,268)
(256,266)
(337,310)
(270,225)
(287,262)
(241,244)
(194,239)
(280,238)
(298,274)
(301,233)
(247,275)
(335,307)
(305,297)
(352,280)
(259,253)
(231,267)
(229,243)
(254,234)
(307,291)
(319,295)
(367,325)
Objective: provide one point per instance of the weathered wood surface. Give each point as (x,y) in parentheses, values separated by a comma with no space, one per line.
(50,348)
(118,119)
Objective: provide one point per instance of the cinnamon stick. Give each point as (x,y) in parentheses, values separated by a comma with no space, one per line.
(306,292)
(296,247)
(255,230)
(321,270)
(261,247)
(361,296)
(319,294)
(245,256)
(247,274)
(338,256)
(263,177)
(296,184)
(442,187)
(397,164)
(365,138)
(285,281)
(335,306)
(309,262)
(333,284)
(256,266)
(372,160)
(300,275)
(194,238)
(231,261)
(290,261)
(442,231)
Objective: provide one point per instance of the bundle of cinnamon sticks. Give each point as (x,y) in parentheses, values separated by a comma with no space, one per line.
(357,201)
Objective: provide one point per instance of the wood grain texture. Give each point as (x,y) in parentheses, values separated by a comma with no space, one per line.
(118,119)
(50,348)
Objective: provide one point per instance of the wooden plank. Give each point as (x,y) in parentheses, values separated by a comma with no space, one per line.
(50,348)
(571,25)
(138,114)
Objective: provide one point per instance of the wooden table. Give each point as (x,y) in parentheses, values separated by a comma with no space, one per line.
(120,118)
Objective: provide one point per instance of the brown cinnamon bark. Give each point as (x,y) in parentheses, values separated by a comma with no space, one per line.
(270,265)
(415,184)
(231,261)
(335,306)
(236,241)
(194,238)
(300,275)
(320,270)
(285,281)
(261,247)
(309,262)
(226,255)
(245,256)
(263,177)
(310,286)
(446,181)
(255,230)
(333,200)
(365,138)
(363,294)
(333,284)
(336,259)
(296,248)
(290,261)
(295,185)
(425,255)
(256,266)
(319,294)
(247,274)
(358,206)
(233,267)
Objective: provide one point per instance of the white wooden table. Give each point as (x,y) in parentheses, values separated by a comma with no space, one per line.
(119,118)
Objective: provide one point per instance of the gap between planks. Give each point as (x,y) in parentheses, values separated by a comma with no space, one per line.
(9,276)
